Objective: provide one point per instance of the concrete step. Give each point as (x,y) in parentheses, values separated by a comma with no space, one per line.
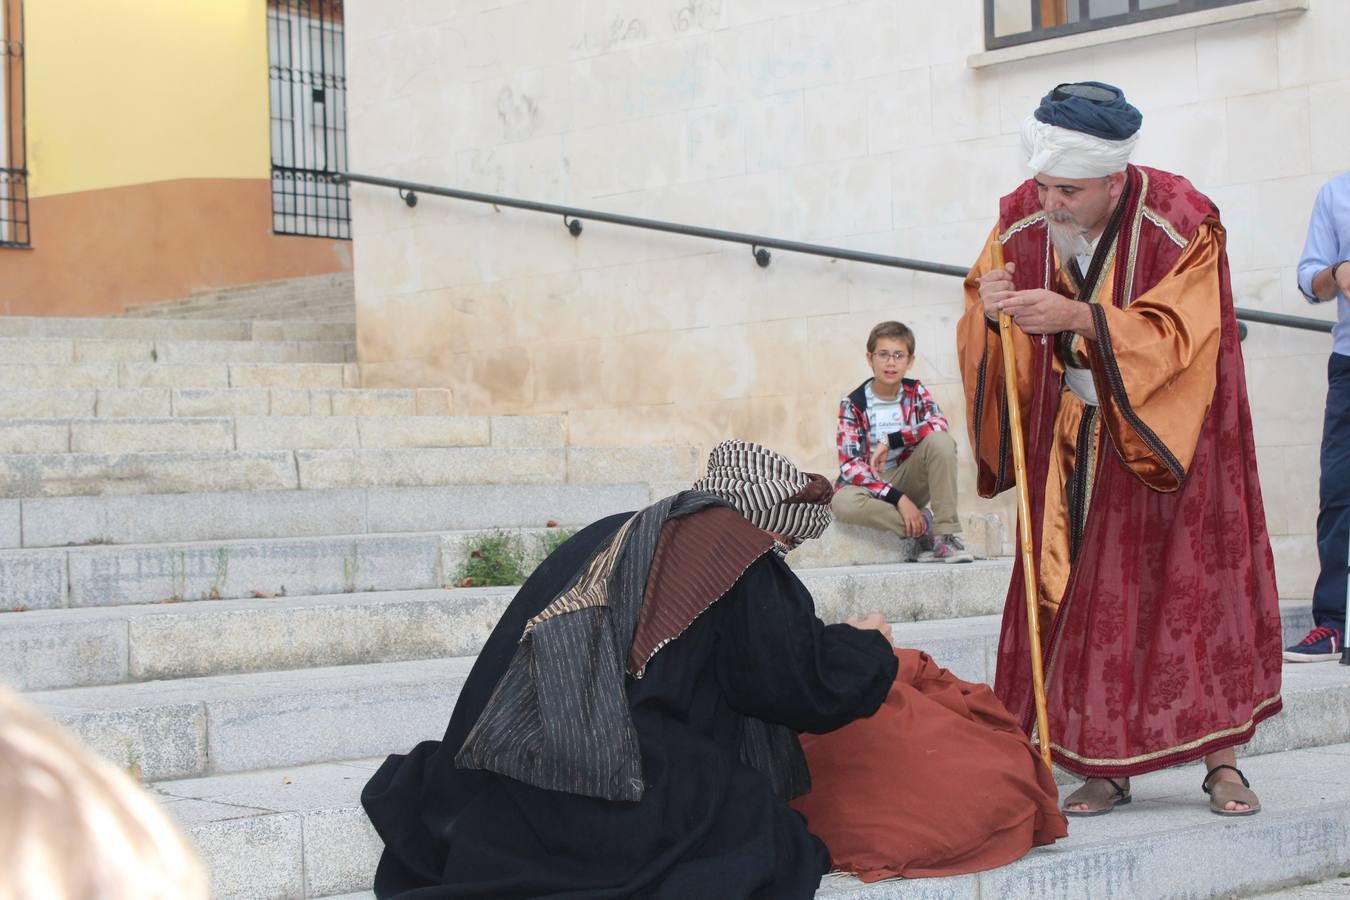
(173,329)
(142,375)
(237,722)
(70,403)
(102,574)
(85,474)
(186,433)
(62,351)
(260,515)
(300,831)
(50,649)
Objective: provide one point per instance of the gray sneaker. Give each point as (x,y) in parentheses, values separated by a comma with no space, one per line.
(948,548)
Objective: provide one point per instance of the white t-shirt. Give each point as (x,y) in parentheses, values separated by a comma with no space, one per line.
(883,418)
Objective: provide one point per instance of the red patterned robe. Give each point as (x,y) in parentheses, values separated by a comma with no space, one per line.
(1160,621)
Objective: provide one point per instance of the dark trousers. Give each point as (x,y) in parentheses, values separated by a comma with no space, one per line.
(1333,514)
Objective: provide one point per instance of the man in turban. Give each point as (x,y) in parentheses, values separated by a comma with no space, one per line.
(630,727)
(1159,619)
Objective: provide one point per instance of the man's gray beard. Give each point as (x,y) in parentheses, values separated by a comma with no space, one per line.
(1067,237)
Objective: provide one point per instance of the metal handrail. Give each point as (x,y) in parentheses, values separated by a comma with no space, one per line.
(759,244)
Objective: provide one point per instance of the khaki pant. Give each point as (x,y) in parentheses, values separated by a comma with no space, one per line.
(928,476)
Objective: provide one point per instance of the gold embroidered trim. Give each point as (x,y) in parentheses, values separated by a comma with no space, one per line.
(1171,751)
(1021,225)
(1136,229)
(1167,228)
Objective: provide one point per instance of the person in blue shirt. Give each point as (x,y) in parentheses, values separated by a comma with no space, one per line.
(1323,276)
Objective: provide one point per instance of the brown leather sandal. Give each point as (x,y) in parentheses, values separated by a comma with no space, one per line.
(1099,795)
(1222,793)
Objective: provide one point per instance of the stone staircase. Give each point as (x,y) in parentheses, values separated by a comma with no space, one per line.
(229,575)
(316,298)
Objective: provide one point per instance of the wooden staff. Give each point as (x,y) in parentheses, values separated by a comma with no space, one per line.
(1005,326)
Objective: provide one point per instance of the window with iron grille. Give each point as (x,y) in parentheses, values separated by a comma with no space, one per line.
(13,139)
(308,77)
(1009,22)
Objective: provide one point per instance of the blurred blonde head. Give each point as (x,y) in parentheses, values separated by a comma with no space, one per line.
(73,827)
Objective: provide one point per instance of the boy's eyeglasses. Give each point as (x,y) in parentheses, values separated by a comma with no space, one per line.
(891,356)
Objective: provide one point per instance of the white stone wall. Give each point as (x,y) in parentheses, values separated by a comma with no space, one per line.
(858,123)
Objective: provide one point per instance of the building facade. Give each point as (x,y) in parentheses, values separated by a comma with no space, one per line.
(155,148)
(881,125)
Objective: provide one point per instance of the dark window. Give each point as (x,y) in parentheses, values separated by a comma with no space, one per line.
(308,79)
(1009,22)
(13,139)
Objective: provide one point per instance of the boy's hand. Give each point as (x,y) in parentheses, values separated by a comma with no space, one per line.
(878,460)
(913,516)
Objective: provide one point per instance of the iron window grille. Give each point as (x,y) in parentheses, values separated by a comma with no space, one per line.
(308,83)
(1011,22)
(14,223)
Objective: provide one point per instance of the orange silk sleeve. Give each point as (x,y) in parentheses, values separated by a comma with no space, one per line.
(1154,364)
(980,354)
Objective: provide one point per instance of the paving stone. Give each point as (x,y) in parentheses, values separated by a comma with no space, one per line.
(1166,844)
(83,474)
(233,723)
(475,506)
(40,651)
(44,351)
(292,432)
(372,402)
(424,431)
(34,436)
(37,375)
(297,375)
(156,573)
(156,435)
(32,579)
(164,518)
(157,739)
(47,403)
(178,352)
(93,350)
(11,526)
(221,402)
(529,431)
(293,402)
(134,375)
(422,467)
(247,857)
(119,403)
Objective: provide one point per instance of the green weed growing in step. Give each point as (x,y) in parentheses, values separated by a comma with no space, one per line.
(493,558)
(553,539)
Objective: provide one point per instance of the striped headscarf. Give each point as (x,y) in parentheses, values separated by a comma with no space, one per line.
(769,490)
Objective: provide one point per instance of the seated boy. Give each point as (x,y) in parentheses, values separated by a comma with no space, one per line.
(896,455)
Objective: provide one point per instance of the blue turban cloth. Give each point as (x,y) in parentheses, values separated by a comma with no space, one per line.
(1090,107)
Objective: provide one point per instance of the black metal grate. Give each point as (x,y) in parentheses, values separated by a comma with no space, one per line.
(14,230)
(308,74)
(1011,22)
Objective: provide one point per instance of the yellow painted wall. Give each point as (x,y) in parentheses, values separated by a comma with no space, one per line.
(124,92)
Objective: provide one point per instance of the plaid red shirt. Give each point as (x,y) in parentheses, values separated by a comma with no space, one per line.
(920,416)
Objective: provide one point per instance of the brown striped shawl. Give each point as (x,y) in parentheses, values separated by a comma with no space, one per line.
(558,718)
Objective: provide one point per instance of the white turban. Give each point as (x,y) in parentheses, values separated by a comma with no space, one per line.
(1064,153)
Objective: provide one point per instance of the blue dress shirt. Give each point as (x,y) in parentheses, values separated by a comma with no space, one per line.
(1328,243)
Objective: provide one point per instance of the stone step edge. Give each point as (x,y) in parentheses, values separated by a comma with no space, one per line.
(345,861)
(233,427)
(62,523)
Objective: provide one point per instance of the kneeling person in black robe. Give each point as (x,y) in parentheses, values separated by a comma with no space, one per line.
(630,727)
